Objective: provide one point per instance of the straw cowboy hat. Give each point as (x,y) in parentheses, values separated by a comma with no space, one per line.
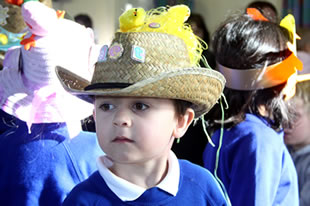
(147,64)
(29,87)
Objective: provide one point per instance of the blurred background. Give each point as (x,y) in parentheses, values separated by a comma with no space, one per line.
(105,13)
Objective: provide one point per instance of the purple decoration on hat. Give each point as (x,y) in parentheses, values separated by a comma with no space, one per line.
(115,51)
(103,53)
(154,25)
(138,53)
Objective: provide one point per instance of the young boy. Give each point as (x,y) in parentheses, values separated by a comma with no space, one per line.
(146,93)
(298,139)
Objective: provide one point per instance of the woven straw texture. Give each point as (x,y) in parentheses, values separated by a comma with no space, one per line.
(163,53)
(166,73)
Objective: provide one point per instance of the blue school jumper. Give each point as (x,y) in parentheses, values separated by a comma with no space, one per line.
(41,168)
(254,164)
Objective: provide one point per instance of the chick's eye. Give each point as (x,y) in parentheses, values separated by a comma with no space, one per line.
(106,107)
(140,106)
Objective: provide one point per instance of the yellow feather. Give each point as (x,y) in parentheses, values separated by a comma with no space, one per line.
(171,18)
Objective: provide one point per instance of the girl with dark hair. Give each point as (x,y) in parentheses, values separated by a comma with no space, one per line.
(250,157)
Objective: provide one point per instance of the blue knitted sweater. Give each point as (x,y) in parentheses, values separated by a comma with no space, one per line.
(41,168)
(196,187)
(254,165)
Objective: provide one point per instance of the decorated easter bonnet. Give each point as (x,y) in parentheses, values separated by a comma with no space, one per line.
(281,72)
(29,87)
(154,54)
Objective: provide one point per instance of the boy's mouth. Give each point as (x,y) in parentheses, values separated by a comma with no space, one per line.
(122,139)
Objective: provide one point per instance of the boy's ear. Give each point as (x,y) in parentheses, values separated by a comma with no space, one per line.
(183,123)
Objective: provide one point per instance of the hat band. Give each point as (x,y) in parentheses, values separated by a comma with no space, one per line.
(113,85)
(266,77)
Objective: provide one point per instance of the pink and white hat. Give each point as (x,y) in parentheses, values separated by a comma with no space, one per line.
(29,87)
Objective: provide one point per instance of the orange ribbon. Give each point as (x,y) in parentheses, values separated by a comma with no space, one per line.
(255,14)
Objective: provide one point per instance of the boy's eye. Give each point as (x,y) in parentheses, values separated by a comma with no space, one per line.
(140,106)
(106,107)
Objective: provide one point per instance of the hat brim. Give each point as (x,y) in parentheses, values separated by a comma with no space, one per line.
(200,86)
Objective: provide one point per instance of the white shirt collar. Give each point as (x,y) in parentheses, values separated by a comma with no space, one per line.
(128,191)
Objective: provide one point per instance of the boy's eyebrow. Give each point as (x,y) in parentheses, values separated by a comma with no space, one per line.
(129,100)
(108,99)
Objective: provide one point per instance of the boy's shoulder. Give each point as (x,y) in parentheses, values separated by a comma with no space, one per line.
(189,169)
(198,179)
(89,192)
(196,174)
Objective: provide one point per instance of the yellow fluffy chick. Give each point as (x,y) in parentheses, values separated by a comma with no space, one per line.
(132,19)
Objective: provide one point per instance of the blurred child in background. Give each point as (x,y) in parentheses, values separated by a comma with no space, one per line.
(297,137)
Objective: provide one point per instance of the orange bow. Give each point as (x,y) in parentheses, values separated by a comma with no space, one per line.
(255,14)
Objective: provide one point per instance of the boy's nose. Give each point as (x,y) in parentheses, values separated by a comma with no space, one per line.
(122,118)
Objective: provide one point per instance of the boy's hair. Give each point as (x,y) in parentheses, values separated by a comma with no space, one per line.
(303,93)
(242,43)
(181,106)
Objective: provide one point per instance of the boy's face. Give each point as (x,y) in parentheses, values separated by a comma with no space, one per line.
(136,130)
(299,135)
